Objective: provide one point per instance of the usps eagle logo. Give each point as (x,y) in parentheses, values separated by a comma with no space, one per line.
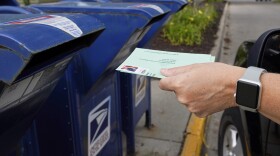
(99,127)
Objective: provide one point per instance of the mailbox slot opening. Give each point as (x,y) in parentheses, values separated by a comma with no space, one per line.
(57,53)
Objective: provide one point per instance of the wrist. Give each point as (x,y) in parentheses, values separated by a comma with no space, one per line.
(249,89)
(236,74)
(265,77)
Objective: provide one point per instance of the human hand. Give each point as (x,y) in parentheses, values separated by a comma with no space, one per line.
(204,88)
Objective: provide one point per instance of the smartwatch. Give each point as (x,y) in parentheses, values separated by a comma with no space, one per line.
(249,89)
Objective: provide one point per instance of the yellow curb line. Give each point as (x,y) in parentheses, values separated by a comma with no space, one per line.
(194,138)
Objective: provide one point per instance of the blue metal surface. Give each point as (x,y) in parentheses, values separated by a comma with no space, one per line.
(30,72)
(92,78)
(9,3)
(13,10)
(132,114)
(19,10)
(121,20)
(29,145)
(173,5)
(77,125)
(136,100)
(24,48)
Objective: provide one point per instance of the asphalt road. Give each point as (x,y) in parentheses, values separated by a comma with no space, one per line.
(245,20)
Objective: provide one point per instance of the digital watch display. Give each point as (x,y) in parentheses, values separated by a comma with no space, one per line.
(249,88)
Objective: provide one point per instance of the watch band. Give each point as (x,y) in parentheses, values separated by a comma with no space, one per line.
(253,74)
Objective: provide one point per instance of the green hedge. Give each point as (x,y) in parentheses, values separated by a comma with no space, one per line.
(188,25)
(215,1)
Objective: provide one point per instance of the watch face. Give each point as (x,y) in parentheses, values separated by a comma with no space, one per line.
(247,94)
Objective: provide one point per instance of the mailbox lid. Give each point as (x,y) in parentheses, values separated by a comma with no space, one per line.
(143,9)
(173,5)
(126,22)
(19,10)
(13,10)
(25,40)
(9,2)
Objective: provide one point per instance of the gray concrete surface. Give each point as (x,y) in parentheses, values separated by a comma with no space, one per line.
(245,20)
(243,1)
(169,119)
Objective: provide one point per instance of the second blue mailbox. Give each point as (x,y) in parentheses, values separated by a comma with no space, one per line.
(89,96)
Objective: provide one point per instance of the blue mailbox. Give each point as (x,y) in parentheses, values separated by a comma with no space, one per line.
(18,10)
(135,89)
(137,101)
(173,5)
(34,53)
(89,101)
(9,3)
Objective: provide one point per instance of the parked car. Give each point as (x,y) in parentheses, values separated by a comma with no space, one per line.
(262,0)
(247,133)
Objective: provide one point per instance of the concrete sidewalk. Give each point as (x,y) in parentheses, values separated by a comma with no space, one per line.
(169,119)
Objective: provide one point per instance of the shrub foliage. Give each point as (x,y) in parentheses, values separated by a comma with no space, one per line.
(188,25)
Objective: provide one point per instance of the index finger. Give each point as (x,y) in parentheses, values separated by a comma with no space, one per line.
(177,70)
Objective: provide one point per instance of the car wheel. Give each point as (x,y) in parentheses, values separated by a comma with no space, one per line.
(231,141)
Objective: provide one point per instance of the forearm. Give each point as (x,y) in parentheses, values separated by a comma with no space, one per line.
(270,99)
(210,87)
